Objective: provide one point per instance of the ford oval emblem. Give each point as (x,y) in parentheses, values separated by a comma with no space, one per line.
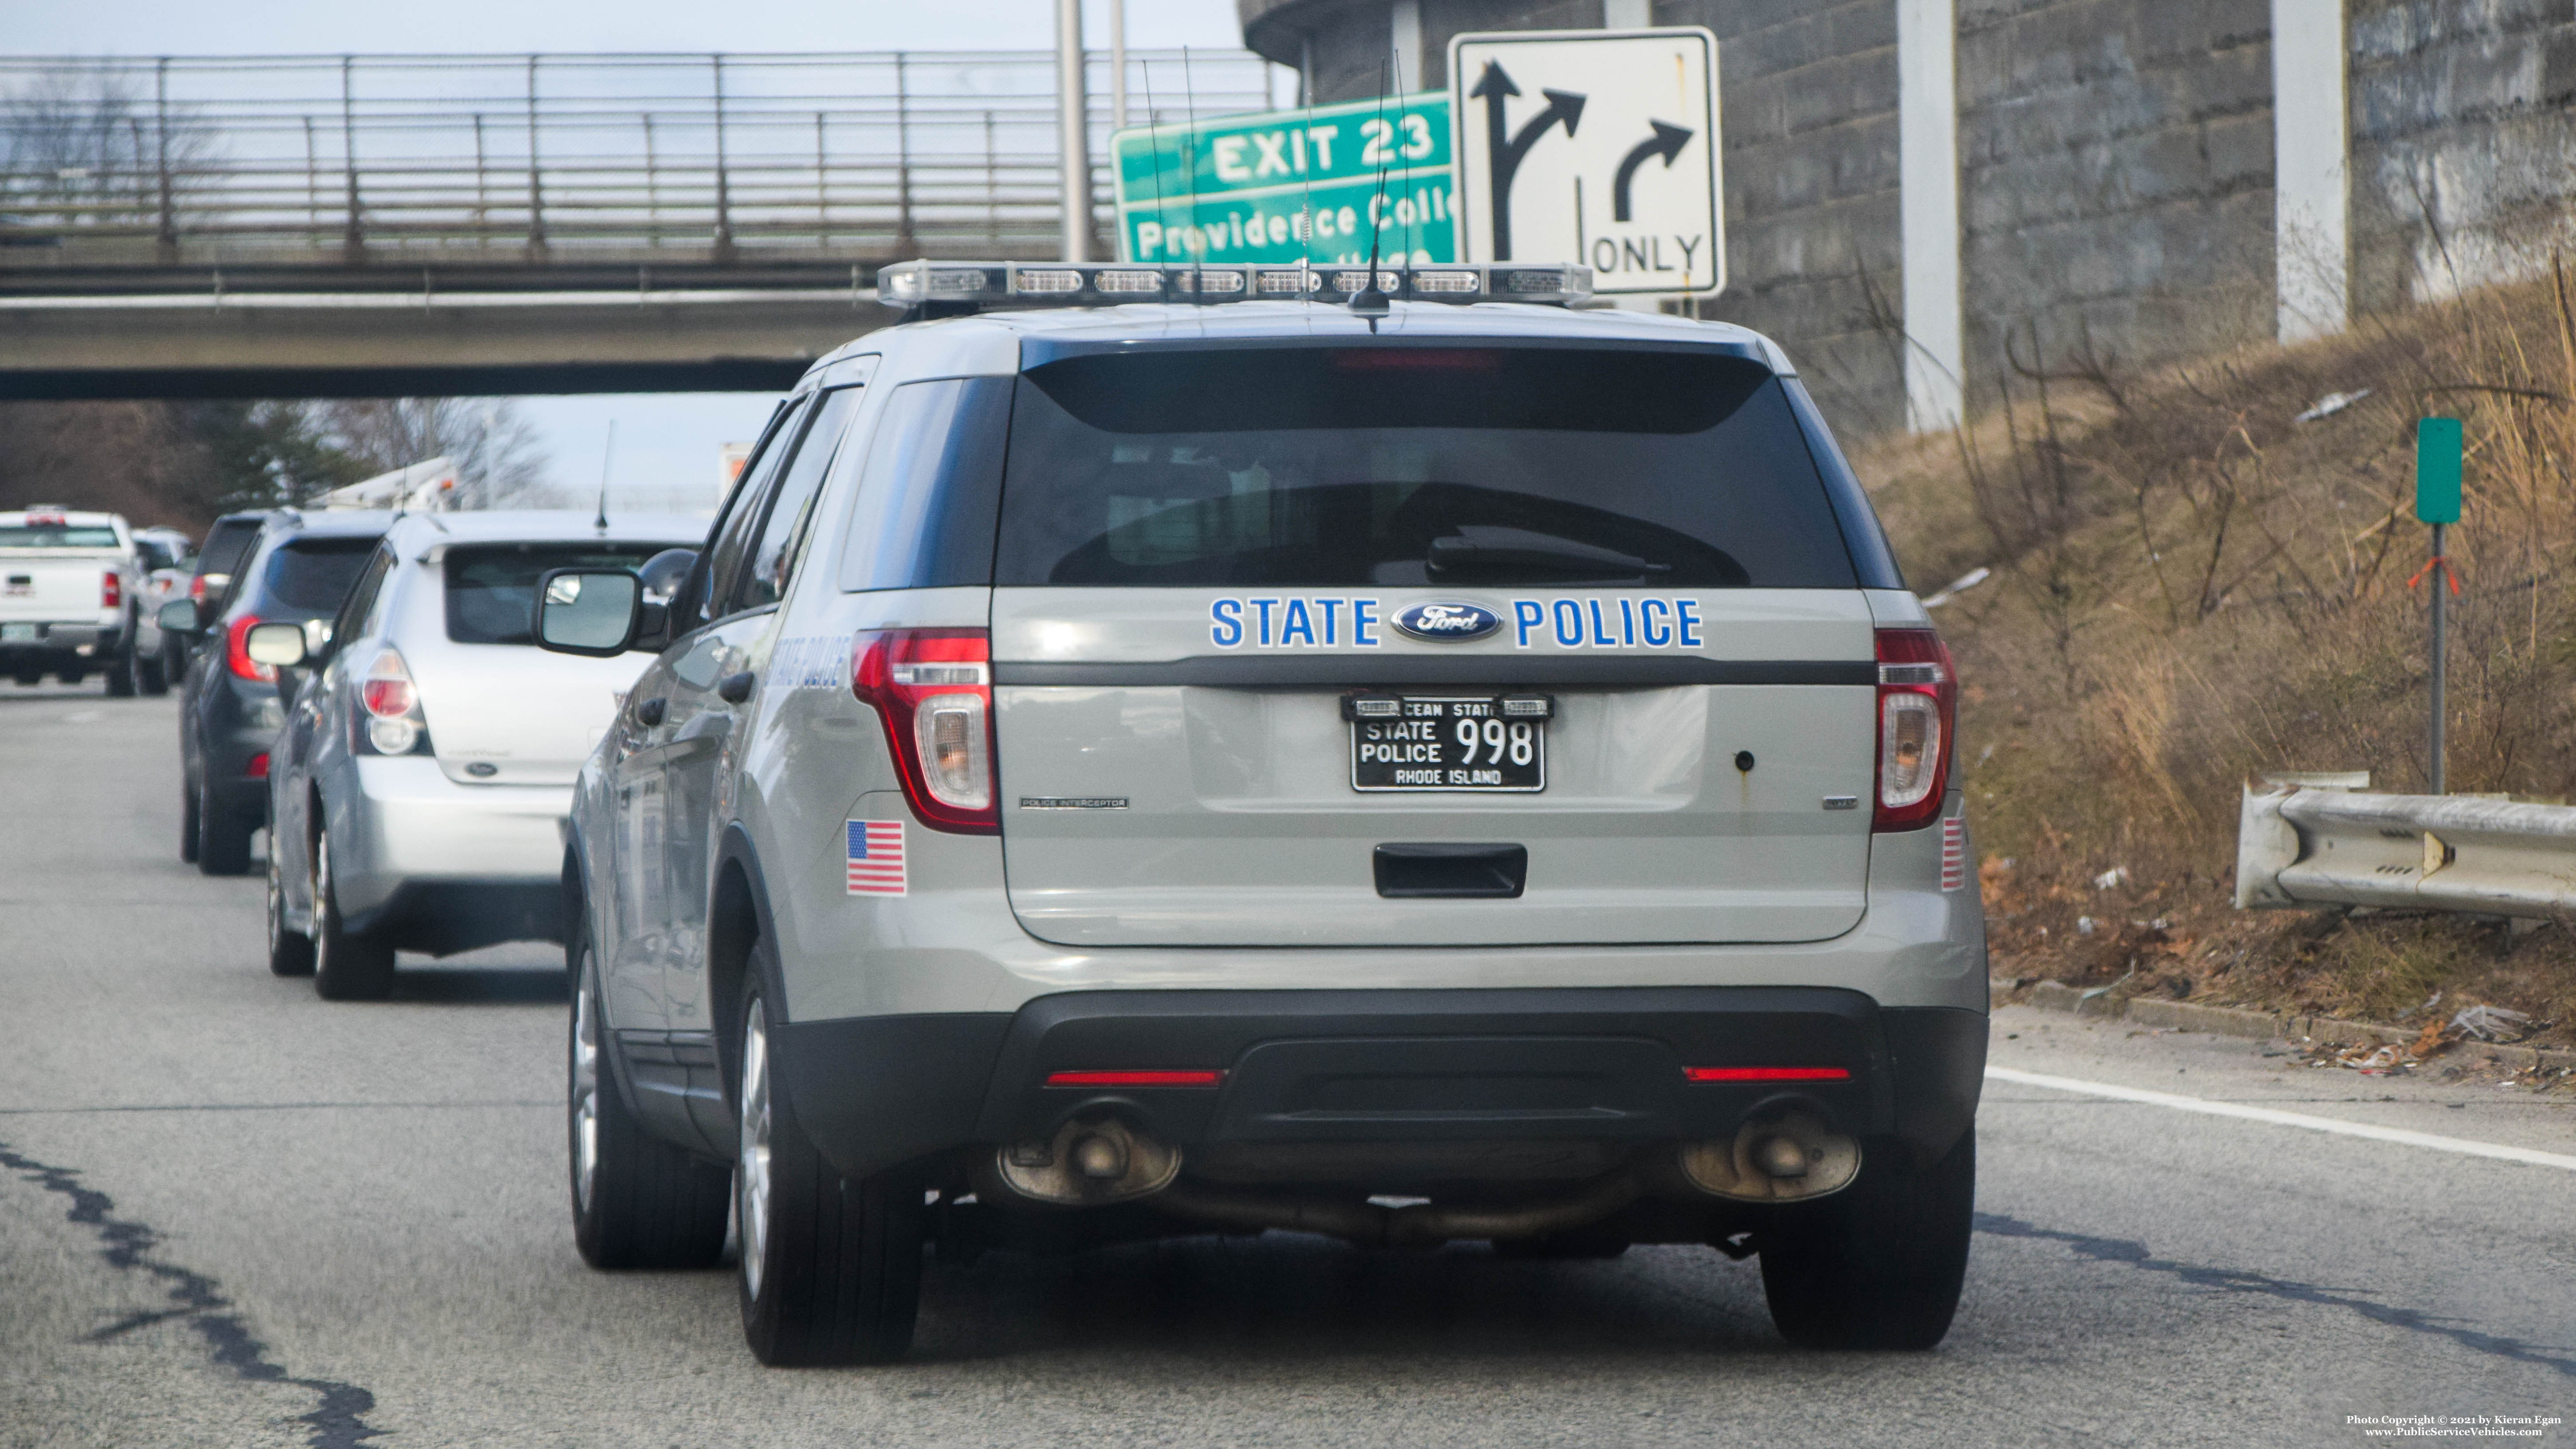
(1446,622)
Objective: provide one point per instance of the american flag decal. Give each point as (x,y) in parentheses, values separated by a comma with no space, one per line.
(876,858)
(1954,854)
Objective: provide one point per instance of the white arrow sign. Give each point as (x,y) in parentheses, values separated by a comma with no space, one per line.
(1591,146)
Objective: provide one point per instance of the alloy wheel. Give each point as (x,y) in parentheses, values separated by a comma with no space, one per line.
(752,1168)
(585,1089)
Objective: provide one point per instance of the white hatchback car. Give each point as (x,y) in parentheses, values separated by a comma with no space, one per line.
(419,789)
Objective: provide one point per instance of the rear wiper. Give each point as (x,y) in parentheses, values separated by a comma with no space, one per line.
(1476,547)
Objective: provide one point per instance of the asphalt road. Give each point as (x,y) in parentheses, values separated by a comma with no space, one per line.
(232,1213)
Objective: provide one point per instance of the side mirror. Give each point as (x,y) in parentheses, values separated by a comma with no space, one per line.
(179,616)
(278,644)
(588,611)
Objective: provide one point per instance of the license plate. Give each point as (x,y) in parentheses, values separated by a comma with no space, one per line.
(18,633)
(1448,742)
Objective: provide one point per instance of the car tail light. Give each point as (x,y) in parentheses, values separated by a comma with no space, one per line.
(111,591)
(237,652)
(257,769)
(394,722)
(1918,705)
(196,588)
(934,690)
(1136,1079)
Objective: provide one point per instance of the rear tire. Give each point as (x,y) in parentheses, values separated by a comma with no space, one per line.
(1879,1264)
(290,952)
(347,965)
(121,678)
(152,674)
(189,824)
(637,1201)
(223,843)
(831,1266)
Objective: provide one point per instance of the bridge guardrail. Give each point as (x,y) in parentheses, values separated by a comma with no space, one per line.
(2301,843)
(415,160)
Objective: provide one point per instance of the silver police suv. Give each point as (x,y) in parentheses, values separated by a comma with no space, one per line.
(1384,753)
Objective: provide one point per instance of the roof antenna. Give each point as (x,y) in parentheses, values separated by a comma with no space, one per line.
(1198,254)
(1153,122)
(606,452)
(1371,300)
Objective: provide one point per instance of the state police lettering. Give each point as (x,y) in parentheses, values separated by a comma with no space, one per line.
(1334,622)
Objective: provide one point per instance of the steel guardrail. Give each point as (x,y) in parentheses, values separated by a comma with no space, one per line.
(2307,845)
(414,160)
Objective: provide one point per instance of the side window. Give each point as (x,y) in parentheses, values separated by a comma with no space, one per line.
(351,621)
(764,580)
(733,531)
(928,500)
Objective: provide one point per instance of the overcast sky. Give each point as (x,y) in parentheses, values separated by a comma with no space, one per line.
(666,444)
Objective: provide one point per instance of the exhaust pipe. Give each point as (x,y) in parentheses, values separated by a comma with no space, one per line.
(1088,1164)
(1787,1156)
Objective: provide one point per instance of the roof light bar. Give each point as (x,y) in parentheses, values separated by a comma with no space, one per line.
(953,286)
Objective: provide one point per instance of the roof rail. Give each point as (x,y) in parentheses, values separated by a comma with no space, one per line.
(928,288)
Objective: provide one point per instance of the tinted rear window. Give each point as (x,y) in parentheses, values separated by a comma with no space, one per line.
(55,535)
(492,590)
(313,575)
(1398,465)
(226,546)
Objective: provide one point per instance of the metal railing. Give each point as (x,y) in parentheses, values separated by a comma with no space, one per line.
(2309,844)
(439,158)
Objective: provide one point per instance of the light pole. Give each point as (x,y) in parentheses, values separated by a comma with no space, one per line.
(1073,130)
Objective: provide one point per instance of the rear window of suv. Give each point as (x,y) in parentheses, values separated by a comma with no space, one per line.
(492,589)
(313,575)
(1421,465)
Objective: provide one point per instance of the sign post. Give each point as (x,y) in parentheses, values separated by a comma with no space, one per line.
(2437,502)
(1325,184)
(1592,146)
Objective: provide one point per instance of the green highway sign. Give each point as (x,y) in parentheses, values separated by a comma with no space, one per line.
(1317,185)
(2437,470)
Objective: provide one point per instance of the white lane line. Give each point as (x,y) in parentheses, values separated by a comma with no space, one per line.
(2180,1103)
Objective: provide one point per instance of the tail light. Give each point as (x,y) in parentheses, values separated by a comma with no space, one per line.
(394,724)
(257,769)
(1918,706)
(196,588)
(934,690)
(237,652)
(111,591)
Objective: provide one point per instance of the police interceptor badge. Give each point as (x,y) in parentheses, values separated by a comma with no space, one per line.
(1445,622)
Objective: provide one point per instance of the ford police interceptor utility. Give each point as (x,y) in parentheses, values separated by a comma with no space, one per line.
(1162,750)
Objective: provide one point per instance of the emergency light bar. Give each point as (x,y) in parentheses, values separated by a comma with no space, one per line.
(969,286)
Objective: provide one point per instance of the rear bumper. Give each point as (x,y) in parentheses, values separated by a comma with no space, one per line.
(414,825)
(59,646)
(1599,1065)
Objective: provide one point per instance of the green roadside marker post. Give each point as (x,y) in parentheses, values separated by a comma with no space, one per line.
(2437,502)
(1319,185)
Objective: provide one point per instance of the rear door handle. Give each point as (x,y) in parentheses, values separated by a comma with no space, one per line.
(649,713)
(734,688)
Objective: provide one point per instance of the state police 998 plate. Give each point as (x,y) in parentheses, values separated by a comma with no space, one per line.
(1482,742)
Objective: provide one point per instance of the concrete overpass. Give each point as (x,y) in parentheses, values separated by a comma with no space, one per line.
(319,226)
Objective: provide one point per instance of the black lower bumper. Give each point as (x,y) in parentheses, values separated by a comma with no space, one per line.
(443,917)
(1588,1064)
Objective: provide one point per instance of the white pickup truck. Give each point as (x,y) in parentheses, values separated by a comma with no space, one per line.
(71,597)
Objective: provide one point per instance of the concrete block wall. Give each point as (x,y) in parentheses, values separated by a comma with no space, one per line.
(2115,177)
(2463,154)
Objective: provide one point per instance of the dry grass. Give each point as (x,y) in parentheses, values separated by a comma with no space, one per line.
(2189,588)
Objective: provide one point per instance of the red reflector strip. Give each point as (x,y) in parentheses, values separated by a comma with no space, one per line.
(1134,1079)
(1766,1074)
